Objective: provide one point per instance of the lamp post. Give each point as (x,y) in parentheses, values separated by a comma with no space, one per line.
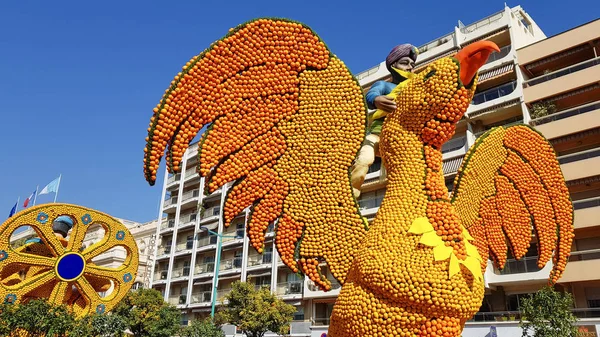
(217,267)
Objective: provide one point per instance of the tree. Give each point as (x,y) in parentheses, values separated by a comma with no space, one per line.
(205,328)
(147,314)
(99,326)
(547,313)
(542,108)
(256,311)
(36,318)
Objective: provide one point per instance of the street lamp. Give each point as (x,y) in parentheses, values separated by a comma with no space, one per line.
(217,267)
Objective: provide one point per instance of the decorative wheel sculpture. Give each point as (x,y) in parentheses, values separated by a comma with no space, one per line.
(63,270)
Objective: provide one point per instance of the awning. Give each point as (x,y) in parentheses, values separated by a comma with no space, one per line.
(572,93)
(451,166)
(493,73)
(229,277)
(556,56)
(258,275)
(199,283)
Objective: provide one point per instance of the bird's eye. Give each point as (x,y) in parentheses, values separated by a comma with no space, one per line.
(429,75)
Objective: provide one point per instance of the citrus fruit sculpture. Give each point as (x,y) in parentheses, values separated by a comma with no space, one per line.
(285,120)
(61,269)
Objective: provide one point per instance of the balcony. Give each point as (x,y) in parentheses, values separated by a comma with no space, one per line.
(222,293)
(187,220)
(562,72)
(169,204)
(207,242)
(160,275)
(581,164)
(184,246)
(569,121)
(180,272)
(563,80)
(290,289)
(522,272)
(163,251)
(203,297)
(524,265)
(587,213)
(190,196)
(311,290)
(484,101)
(436,47)
(190,174)
(204,268)
(583,266)
(167,225)
(260,260)
(515,316)
(173,180)
(231,264)
(484,26)
(178,299)
(210,214)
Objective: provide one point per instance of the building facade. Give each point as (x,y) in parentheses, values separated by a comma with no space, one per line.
(512,87)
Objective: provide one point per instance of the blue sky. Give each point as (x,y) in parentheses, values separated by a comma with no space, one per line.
(79,79)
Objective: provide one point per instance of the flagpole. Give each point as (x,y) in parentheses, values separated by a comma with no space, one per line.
(35,195)
(57,186)
(18,201)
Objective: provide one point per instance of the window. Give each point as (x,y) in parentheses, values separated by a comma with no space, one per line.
(239,232)
(189,242)
(137,285)
(237,261)
(514,302)
(267,256)
(186,268)
(299,314)
(376,166)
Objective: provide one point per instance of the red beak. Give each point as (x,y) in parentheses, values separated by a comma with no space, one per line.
(472,57)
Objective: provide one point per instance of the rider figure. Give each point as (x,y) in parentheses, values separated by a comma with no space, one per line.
(400,62)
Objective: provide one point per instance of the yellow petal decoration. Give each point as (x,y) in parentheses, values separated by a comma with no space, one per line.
(441,252)
(454,267)
(420,226)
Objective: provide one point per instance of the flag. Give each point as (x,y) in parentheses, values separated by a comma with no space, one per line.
(28,200)
(51,187)
(13,210)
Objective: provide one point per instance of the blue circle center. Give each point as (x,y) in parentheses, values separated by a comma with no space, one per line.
(70,266)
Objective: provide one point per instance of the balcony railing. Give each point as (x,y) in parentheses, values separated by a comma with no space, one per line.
(178,299)
(229,264)
(206,241)
(208,267)
(190,194)
(171,201)
(168,224)
(566,113)
(586,203)
(190,173)
(334,285)
(189,217)
(501,316)
(222,293)
(497,56)
(494,93)
(180,272)
(562,72)
(184,246)
(584,255)
(264,285)
(482,23)
(437,42)
(161,275)
(164,249)
(173,178)
(255,260)
(569,158)
(489,127)
(290,288)
(524,265)
(201,297)
(454,144)
(210,212)
(370,203)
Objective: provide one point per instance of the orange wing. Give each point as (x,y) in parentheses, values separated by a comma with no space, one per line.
(286,121)
(510,181)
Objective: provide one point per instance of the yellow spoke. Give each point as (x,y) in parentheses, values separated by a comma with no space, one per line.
(59,293)
(86,290)
(33,282)
(31,260)
(113,274)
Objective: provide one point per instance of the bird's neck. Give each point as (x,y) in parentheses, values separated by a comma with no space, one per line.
(415,177)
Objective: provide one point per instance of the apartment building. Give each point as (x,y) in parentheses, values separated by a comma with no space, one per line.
(144,234)
(188,237)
